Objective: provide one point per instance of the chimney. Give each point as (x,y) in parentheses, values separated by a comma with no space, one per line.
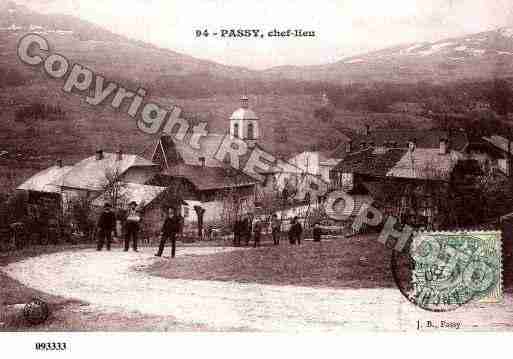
(443,146)
(58,163)
(202,161)
(366,130)
(349,145)
(119,155)
(99,155)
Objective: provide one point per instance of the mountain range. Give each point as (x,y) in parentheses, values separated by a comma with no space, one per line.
(475,56)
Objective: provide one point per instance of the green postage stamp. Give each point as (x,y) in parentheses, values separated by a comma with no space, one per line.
(450,269)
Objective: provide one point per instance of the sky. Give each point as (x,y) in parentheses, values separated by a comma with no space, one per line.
(343,28)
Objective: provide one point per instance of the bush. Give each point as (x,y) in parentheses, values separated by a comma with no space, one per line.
(39,111)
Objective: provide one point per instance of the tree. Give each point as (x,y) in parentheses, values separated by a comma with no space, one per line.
(114,188)
(234,203)
(280,132)
(501,96)
(325,114)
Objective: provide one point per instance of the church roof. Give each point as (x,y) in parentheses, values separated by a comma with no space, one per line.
(244,114)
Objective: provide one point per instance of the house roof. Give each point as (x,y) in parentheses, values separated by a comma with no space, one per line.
(371,162)
(42,181)
(458,140)
(422,163)
(90,173)
(499,142)
(143,195)
(209,145)
(208,178)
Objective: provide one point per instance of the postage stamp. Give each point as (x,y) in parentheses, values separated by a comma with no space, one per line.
(451,269)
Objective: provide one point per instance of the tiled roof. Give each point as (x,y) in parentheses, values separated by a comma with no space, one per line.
(206,178)
(422,163)
(90,173)
(370,162)
(42,181)
(143,195)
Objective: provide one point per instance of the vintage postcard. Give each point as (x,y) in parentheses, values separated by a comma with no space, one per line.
(271,166)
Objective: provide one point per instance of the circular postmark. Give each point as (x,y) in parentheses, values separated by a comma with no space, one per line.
(442,271)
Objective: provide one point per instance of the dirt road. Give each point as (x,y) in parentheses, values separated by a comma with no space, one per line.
(114,281)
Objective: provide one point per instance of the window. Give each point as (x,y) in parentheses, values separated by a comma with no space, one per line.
(235,130)
(185,211)
(251,134)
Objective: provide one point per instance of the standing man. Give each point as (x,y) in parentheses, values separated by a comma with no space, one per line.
(106,224)
(317,232)
(295,232)
(275,229)
(257,232)
(246,229)
(237,232)
(291,235)
(298,232)
(133,220)
(172,226)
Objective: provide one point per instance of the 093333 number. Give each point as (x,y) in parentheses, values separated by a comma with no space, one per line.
(51,346)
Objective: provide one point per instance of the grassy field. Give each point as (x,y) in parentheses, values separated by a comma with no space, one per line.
(359,262)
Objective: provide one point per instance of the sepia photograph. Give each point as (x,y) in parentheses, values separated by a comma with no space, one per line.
(284,167)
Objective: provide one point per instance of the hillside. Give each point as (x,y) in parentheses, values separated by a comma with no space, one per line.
(478,56)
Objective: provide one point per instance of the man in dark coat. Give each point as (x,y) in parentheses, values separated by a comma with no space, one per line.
(237,232)
(132,222)
(257,232)
(106,224)
(275,228)
(317,232)
(295,232)
(172,226)
(246,229)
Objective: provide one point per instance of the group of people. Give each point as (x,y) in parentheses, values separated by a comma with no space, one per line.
(107,223)
(245,229)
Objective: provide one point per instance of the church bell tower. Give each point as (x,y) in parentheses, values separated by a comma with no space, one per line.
(244,123)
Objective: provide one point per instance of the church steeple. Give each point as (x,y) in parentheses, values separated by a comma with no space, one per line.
(244,123)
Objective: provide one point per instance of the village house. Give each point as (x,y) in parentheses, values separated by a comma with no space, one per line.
(90,177)
(44,198)
(316,163)
(496,150)
(54,189)
(407,173)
